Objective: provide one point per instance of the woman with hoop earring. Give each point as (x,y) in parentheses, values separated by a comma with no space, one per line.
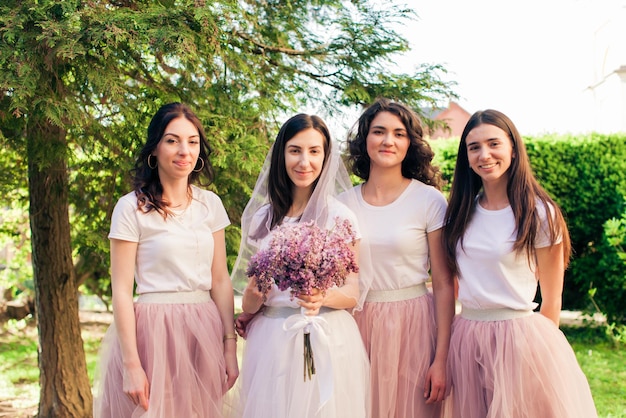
(172,351)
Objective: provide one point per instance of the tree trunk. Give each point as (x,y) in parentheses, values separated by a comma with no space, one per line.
(64,385)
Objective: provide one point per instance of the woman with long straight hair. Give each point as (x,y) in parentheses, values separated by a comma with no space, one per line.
(503,237)
(297,186)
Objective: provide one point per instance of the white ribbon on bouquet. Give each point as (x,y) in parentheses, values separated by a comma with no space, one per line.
(317,327)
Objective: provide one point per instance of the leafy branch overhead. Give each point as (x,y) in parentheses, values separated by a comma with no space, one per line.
(79,80)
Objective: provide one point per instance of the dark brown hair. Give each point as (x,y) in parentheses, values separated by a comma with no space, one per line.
(523,191)
(280,186)
(418,161)
(146,181)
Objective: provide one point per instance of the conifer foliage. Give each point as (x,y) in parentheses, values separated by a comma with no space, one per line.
(79,80)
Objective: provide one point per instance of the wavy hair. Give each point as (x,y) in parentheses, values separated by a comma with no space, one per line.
(280,186)
(523,192)
(418,161)
(146,181)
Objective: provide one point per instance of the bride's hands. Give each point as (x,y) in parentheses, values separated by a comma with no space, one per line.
(313,302)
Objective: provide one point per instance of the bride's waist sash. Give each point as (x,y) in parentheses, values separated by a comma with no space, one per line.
(286,311)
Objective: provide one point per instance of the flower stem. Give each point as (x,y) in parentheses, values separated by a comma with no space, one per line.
(309,362)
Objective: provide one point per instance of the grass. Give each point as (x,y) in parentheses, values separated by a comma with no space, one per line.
(19,372)
(601,358)
(604,364)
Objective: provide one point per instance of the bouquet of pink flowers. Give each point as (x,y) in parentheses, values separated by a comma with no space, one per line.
(302,257)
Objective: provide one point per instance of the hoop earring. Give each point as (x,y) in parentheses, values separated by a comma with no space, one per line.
(155,165)
(200,169)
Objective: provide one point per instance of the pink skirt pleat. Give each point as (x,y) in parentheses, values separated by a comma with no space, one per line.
(400,340)
(516,368)
(180,347)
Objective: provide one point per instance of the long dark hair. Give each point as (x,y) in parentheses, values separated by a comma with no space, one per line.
(523,192)
(280,186)
(418,161)
(146,181)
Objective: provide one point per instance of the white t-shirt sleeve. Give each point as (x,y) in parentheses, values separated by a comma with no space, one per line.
(436,210)
(124,219)
(220,219)
(542,239)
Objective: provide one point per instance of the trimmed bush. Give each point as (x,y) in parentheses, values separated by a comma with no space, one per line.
(609,290)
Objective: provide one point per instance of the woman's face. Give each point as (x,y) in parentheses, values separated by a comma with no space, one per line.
(178,150)
(304,157)
(489,152)
(387,141)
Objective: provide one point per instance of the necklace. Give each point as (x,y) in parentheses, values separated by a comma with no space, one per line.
(175,209)
(180,214)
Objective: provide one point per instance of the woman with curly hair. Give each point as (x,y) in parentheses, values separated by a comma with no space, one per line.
(405,327)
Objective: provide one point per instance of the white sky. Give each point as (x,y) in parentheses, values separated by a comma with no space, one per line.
(531,59)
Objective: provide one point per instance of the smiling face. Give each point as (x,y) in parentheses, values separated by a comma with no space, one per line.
(304,158)
(178,150)
(387,141)
(489,153)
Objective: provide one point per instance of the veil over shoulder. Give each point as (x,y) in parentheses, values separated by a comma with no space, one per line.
(256,218)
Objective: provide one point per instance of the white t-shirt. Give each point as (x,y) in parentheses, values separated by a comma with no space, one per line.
(491,274)
(397,235)
(176,254)
(276,297)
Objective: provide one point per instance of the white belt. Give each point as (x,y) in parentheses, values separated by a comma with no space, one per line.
(395,295)
(197,296)
(493,314)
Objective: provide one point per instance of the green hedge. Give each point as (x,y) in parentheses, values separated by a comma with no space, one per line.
(586,175)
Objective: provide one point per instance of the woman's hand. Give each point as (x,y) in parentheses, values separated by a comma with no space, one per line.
(313,302)
(135,385)
(253,298)
(230,356)
(435,388)
(242,322)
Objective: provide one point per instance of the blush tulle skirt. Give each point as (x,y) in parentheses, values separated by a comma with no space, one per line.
(400,337)
(181,350)
(272,381)
(515,368)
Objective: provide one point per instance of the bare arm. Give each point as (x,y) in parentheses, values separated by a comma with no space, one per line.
(222,295)
(550,270)
(251,304)
(443,291)
(135,382)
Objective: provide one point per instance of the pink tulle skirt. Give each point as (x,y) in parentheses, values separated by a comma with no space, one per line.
(181,349)
(400,340)
(516,368)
